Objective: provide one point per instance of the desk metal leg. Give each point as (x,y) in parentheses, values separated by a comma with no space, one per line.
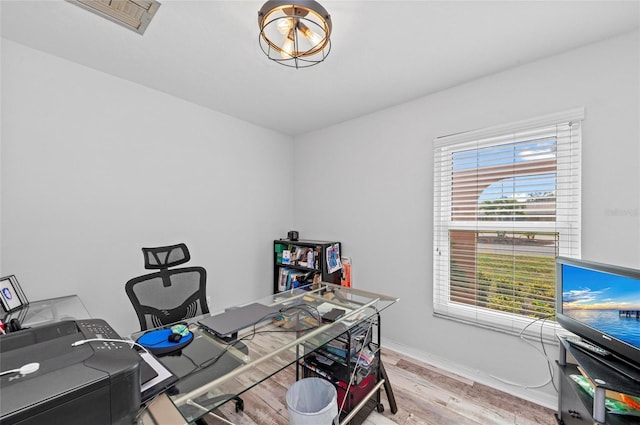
(383,373)
(598,405)
(388,390)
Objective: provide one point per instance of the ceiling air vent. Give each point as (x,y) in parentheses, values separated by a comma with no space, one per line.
(132,14)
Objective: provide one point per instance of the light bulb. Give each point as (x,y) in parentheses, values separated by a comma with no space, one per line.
(286,51)
(313,37)
(284,25)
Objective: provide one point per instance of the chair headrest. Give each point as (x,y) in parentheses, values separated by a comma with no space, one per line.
(163,257)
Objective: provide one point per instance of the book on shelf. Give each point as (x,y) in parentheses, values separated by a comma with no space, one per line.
(282,279)
(286,257)
(345,278)
(298,256)
(289,278)
(365,357)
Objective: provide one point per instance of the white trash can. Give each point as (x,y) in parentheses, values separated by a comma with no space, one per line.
(312,401)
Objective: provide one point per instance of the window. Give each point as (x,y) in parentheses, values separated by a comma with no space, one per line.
(506,203)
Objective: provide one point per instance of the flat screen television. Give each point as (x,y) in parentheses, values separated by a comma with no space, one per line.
(601,304)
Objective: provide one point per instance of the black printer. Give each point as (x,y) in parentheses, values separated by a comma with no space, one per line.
(93,383)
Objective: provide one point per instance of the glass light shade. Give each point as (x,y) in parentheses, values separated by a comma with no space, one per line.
(313,37)
(285,25)
(288,45)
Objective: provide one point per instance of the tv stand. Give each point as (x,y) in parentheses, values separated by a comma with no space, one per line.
(575,406)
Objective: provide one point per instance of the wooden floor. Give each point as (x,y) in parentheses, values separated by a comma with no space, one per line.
(424,395)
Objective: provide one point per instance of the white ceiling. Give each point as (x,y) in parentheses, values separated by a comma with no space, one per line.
(383,52)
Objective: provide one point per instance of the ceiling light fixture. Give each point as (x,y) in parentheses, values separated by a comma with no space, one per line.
(295,33)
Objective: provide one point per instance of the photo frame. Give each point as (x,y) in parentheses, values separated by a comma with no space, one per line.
(11,295)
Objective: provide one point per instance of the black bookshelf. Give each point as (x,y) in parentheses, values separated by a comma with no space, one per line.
(295,262)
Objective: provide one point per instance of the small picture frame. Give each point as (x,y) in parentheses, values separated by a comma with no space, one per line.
(11,295)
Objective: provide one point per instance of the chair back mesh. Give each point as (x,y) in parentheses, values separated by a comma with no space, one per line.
(169,295)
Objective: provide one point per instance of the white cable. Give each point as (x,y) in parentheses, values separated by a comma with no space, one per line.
(126,341)
(515,384)
(23,370)
(193,403)
(548,360)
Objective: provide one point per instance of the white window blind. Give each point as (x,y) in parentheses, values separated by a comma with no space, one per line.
(506,203)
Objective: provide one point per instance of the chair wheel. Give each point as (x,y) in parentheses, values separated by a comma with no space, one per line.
(380,407)
(239,405)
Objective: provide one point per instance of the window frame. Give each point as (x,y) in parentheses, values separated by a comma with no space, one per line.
(567,225)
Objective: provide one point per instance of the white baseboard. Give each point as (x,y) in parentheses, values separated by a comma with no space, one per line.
(535,396)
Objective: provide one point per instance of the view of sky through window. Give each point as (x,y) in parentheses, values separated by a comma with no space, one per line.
(519,187)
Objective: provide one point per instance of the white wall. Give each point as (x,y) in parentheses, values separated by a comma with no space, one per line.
(95,167)
(370,185)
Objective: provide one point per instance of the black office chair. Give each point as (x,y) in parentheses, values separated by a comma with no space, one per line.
(171,295)
(168,295)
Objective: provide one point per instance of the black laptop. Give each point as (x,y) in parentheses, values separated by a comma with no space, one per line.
(231,321)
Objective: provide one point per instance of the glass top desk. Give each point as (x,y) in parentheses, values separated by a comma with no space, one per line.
(212,372)
(48,311)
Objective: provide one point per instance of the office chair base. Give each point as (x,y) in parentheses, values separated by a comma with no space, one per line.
(239,404)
